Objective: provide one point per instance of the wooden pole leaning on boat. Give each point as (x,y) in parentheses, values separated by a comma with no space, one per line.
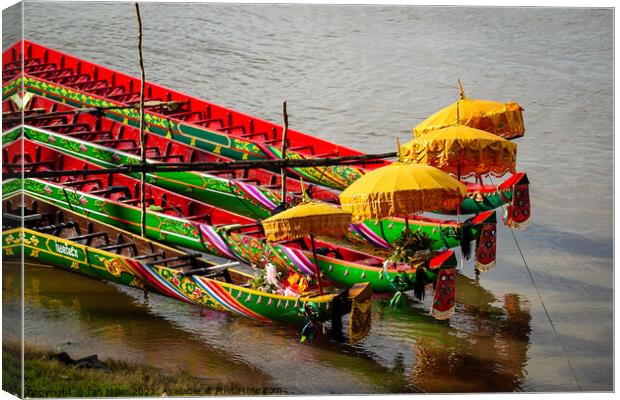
(317,271)
(211,166)
(142,135)
(283,151)
(205,270)
(16,116)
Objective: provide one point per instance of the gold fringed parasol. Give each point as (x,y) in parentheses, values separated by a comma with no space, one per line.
(505,120)
(308,219)
(462,151)
(401,189)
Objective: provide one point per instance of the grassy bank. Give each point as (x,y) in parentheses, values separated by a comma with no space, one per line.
(46,377)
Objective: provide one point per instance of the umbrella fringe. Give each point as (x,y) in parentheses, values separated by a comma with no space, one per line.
(388,204)
(296,228)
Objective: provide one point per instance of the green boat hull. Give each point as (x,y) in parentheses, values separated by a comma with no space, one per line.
(242,199)
(337,177)
(222,241)
(204,292)
(230,195)
(345,274)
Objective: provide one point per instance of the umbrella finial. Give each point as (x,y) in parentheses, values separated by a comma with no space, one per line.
(461,97)
(461,91)
(398,148)
(304,195)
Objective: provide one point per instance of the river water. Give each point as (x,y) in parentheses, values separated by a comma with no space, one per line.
(364,76)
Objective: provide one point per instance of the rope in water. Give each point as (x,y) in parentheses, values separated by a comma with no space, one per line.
(557,335)
(544,306)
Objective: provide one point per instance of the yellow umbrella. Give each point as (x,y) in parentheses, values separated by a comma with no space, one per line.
(308,218)
(462,151)
(401,189)
(505,120)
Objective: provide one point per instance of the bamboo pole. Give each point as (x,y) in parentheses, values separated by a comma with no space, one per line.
(142,135)
(283,170)
(7,116)
(213,166)
(316,265)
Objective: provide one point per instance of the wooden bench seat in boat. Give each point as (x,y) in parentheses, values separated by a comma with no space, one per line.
(89,237)
(120,246)
(154,255)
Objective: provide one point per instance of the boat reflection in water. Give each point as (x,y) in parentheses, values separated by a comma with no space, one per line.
(68,312)
(484,347)
(486,352)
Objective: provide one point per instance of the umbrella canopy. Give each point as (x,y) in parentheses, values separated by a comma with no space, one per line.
(462,151)
(505,120)
(401,189)
(309,218)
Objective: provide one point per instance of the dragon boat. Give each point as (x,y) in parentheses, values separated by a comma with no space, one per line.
(70,241)
(252,192)
(179,221)
(65,78)
(248,192)
(207,125)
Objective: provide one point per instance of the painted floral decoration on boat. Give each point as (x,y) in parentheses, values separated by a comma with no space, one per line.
(114,267)
(11,186)
(250,249)
(189,288)
(11,87)
(34,240)
(11,136)
(177,226)
(246,146)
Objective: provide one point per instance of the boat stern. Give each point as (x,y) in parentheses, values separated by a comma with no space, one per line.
(359,298)
(356,301)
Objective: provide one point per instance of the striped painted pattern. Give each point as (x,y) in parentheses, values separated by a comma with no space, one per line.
(299,258)
(370,236)
(224,298)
